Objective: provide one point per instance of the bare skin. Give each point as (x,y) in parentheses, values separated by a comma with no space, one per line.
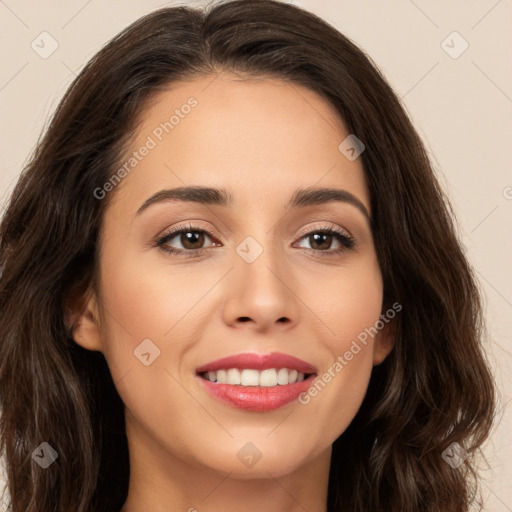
(260,140)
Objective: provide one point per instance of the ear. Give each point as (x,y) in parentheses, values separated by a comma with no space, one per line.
(384,341)
(83,319)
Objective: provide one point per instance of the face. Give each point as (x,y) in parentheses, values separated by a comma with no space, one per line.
(258,269)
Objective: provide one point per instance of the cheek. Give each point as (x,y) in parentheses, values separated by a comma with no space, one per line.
(145,309)
(348,302)
(150,302)
(349,307)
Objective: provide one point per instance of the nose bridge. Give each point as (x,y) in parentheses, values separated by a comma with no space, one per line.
(260,263)
(259,287)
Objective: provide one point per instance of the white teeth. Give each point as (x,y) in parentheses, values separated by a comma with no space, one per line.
(268,378)
(248,377)
(282,376)
(233,377)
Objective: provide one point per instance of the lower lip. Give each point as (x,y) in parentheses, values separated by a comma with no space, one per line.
(256,398)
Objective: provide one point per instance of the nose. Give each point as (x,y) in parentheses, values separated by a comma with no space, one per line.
(261,294)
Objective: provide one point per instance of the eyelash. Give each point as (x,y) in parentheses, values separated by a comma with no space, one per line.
(347,242)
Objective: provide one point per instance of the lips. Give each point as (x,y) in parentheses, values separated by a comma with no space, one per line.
(257,398)
(258,362)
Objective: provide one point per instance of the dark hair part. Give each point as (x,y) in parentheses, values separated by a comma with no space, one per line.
(435,388)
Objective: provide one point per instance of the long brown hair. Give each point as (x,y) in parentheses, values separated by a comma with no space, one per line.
(433,390)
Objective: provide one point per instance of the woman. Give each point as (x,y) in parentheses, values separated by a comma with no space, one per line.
(231,280)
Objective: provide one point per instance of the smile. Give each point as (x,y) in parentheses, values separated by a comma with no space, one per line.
(251,377)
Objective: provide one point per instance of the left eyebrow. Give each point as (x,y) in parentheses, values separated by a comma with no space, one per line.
(320,195)
(301,198)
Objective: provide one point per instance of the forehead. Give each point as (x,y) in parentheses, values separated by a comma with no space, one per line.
(258,136)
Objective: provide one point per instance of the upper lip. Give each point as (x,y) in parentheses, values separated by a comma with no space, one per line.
(258,362)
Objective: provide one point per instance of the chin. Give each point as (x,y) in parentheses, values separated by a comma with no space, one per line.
(246,461)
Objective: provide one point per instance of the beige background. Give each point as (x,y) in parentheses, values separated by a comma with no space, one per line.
(461,106)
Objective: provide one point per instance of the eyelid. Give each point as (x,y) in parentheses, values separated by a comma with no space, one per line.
(335,230)
(209,232)
(314,229)
(174,231)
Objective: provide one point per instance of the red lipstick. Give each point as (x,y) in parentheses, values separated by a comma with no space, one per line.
(257,398)
(258,362)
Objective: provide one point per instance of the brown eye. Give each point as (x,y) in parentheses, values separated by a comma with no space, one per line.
(322,239)
(192,240)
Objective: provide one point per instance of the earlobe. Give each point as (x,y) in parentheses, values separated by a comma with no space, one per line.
(84,324)
(384,342)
